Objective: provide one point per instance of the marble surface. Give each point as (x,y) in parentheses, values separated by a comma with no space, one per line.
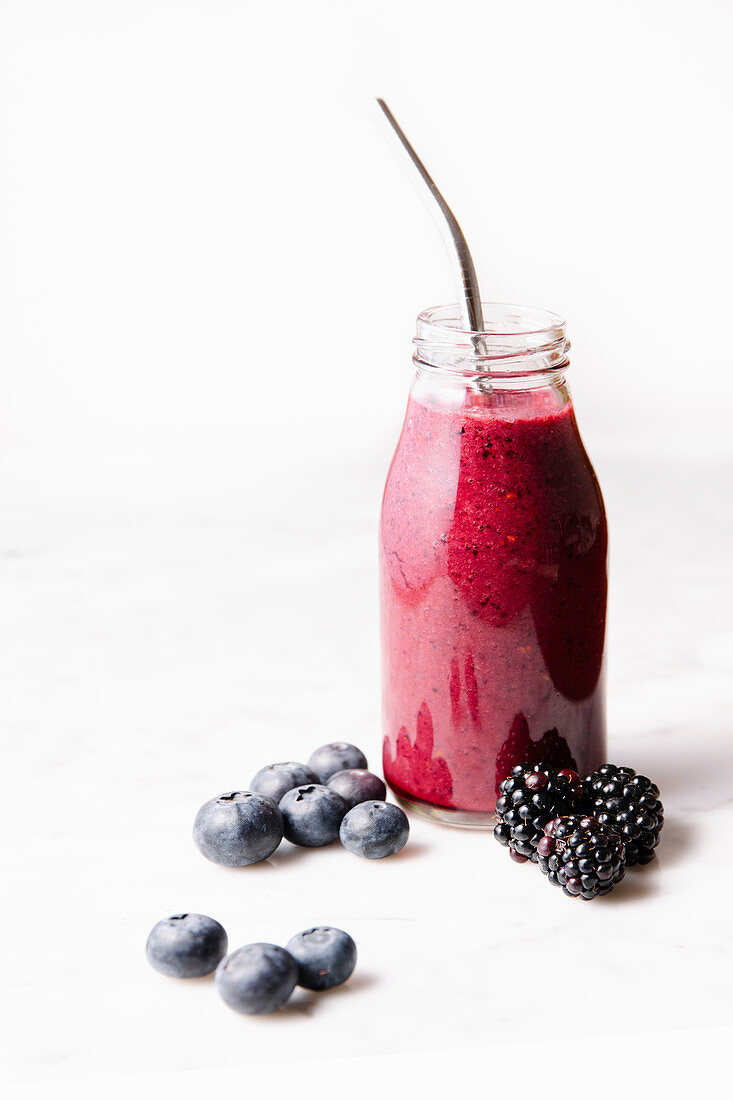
(169,626)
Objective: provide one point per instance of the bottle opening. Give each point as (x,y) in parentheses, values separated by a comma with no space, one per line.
(516,341)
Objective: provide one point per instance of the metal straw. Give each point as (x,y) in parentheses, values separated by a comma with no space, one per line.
(471,296)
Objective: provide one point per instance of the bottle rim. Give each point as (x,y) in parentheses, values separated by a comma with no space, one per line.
(517,340)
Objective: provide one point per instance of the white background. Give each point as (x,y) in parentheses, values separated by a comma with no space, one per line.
(210,265)
(201,220)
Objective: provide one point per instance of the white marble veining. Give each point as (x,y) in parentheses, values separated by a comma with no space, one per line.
(168,627)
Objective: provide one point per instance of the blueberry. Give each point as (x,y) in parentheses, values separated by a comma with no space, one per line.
(312,815)
(375,829)
(335,758)
(357,785)
(277,779)
(188,945)
(238,828)
(257,978)
(325,956)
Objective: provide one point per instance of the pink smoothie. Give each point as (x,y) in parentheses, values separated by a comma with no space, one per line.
(493,586)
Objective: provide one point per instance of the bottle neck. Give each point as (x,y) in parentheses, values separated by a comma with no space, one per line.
(521,349)
(515,397)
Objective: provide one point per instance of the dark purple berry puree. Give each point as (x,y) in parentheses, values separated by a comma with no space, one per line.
(493,578)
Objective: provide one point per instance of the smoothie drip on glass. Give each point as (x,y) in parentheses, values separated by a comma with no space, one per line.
(493,569)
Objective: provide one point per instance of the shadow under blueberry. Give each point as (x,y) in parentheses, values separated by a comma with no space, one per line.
(411,850)
(302,1002)
(288,852)
(207,979)
(305,1002)
(202,979)
(355,984)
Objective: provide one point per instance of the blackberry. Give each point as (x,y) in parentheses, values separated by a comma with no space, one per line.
(529,798)
(551,750)
(582,856)
(628,803)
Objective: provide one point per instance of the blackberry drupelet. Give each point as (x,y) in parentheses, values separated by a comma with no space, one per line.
(628,803)
(582,856)
(530,797)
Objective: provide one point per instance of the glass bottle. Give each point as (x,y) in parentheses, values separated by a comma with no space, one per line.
(493,546)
